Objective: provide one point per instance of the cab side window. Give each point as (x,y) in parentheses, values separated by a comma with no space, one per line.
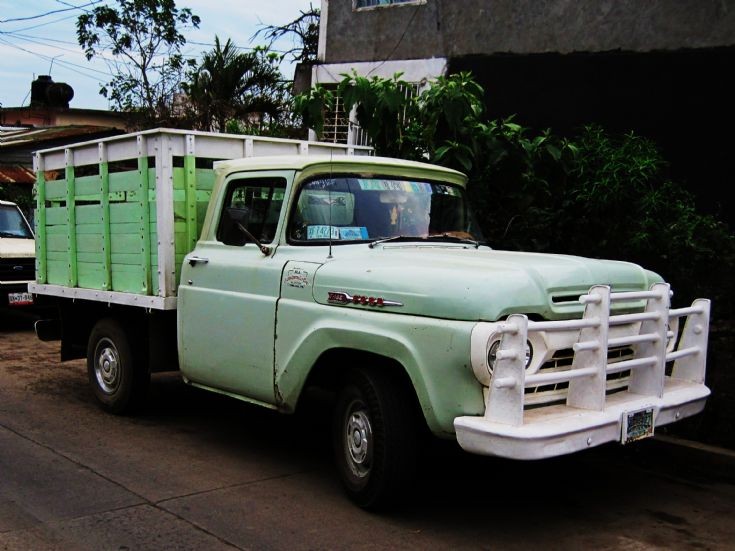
(254,204)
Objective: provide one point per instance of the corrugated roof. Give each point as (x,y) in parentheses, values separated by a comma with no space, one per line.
(16,175)
(32,136)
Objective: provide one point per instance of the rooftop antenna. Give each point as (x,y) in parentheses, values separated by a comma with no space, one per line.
(52,62)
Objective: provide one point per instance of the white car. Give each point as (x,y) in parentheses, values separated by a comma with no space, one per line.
(17,257)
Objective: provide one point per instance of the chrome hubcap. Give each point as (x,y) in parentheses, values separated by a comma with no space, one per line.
(107,366)
(358,439)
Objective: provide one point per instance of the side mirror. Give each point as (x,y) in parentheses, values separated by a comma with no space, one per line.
(239,214)
(234,229)
(233,219)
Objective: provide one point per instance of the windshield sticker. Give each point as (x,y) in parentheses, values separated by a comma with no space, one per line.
(394,185)
(322,232)
(353,233)
(350,233)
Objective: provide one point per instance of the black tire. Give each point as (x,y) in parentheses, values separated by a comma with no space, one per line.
(374,437)
(118,376)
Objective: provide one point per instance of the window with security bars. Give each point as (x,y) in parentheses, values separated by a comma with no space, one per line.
(359,4)
(338,128)
(336,121)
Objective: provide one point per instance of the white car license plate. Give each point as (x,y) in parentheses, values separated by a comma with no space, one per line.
(637,425)
(20,299)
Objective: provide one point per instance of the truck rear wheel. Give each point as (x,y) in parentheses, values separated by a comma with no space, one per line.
(374,438)
(118,377)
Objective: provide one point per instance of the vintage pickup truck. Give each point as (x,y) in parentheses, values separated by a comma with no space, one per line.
(306,264)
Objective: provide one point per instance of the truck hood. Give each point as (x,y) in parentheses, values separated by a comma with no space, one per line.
(473,284)
(11,247)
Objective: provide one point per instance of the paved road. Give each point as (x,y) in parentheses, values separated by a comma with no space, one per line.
(199,471)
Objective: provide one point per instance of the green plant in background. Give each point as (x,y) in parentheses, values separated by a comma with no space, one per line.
(142,42)
(452,109)
(311,107)
(516,181)
(382,106)
(232,85)
(629,208)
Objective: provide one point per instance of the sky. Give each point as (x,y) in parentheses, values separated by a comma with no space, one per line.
(48,45)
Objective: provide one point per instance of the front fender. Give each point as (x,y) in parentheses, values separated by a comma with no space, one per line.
(435,354)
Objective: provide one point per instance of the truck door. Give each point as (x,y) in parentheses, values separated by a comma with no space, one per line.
(228,292)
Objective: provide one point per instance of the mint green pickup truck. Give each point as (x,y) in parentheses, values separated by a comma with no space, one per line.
(263,267)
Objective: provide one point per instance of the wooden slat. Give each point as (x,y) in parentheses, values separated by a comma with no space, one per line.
(55,215)
(89,243)
(41,221)
(87,186)
(105,215)
(145,216)
(88,214)
(56,190)
(124,181)
(71,213)
(122,213)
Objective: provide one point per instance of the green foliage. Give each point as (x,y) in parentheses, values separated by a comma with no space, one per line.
(144,39)
(452,107)
(517,179)
(382,107)
(627,207)
(233,85)
(312,105)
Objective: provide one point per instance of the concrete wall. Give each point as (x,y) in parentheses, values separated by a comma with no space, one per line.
(451,28)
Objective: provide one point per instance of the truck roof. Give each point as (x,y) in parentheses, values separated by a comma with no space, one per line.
(7,203)
(341,164)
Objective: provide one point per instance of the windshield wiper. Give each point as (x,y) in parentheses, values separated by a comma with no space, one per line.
(453,239)
(396,238)
(435,237)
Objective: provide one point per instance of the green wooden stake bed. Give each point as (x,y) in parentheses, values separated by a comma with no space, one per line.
(260,267)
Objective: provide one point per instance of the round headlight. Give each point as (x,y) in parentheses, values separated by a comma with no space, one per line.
(529,353)
(492,355)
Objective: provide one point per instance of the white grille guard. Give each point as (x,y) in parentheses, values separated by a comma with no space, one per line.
(590,416)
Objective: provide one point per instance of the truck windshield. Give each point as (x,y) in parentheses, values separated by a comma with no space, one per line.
(348,209)
(12,223)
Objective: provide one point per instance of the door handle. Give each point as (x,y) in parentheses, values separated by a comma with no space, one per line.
(193,260)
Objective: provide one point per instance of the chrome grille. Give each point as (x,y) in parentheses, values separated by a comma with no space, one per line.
(562,361)
(17,269)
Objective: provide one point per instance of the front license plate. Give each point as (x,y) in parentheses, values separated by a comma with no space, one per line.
(20,299)
(637,425)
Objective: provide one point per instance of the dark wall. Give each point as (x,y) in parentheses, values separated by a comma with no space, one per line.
(684,100)
(451,28)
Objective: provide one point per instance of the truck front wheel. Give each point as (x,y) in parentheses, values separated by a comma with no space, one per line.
(374,438)
(118,377)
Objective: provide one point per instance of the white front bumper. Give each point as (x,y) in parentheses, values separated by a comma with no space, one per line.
(558,430)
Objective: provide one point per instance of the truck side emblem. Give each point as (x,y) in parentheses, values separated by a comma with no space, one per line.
(338,297)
